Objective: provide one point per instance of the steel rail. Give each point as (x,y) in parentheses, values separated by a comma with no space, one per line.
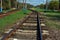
(14,28)
(7,35)
(39,33)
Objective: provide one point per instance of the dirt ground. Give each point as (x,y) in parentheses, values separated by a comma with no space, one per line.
(6,14)
(54,34)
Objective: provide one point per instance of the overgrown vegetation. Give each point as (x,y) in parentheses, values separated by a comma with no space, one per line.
(51,5)
(11,4)
(12,18)
(8,4)
(52,18)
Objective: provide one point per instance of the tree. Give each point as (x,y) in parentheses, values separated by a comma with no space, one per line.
(29,5)
(42,6)
(54,5)
(59,3)
(14,3)
(8,4)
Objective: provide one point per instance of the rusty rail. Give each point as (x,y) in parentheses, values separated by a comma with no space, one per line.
(39,33)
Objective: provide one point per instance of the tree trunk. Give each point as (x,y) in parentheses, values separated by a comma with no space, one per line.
(59,5)
(23,4)
(9,4)
(46,5)
(16,3)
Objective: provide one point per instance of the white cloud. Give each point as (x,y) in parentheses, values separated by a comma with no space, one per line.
(34,2)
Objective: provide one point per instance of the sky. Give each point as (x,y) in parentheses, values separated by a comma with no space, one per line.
(34,2)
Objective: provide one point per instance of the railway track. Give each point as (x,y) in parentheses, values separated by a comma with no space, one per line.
(31,28)
(7,13)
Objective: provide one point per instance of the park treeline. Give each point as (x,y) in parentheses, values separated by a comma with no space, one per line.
(8,4)
(52,5)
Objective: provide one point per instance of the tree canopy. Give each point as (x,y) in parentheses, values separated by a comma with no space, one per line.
(53,5)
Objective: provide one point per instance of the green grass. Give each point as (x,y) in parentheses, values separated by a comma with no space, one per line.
(38,9)
(12,18)
(53,18)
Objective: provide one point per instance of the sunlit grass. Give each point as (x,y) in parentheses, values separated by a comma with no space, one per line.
(53,18)
(12,18)
(38,9)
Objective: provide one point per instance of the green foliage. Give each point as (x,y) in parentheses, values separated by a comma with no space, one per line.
(41,6)
(7,4)
(29,5)
(54,5)
(11,19)
(53,19)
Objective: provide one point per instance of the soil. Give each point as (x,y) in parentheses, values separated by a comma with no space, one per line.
(54,34)
(8,13)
